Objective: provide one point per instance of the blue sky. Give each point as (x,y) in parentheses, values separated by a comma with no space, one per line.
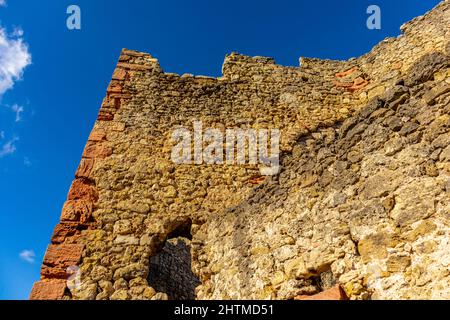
(48,106)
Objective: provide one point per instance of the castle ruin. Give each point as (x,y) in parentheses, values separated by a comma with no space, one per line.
(361,200)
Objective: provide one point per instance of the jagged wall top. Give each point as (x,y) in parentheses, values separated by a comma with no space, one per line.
(127,196)
(419,36)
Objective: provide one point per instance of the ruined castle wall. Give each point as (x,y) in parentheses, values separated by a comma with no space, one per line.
(393,57)
(128,196)
(365,203)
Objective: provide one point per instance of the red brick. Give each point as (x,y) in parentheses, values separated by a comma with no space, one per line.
(105,116)
(256,179)
(94,150)
(119,74)
(63,255)
(48,290)
(97,135)
(335,293)
(82,189)
(85,168)
(63,231)
(358,86)
(114,89)
(77,210)
(346,73)
(54,272)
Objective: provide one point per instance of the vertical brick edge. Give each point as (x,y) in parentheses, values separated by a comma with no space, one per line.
(66,248)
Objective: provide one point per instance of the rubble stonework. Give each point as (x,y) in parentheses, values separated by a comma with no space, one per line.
(360,208)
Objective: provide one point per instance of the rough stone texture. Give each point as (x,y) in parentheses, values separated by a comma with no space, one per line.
(171,271)
(361,202)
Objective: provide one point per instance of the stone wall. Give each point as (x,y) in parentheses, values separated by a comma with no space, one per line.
(365,203)
(361,200)
(171,270)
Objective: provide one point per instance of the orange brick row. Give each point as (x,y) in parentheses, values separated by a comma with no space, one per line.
(66,249)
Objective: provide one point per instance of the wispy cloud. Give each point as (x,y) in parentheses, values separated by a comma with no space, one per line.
(17,110)
(8,148)
(27,255)
(27,162)
(17,32)
(14,58)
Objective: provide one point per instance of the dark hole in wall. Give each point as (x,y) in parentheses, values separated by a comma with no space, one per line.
(325,280)
(171,269)
(182,231)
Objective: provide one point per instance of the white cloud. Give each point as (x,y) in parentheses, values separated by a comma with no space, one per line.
(2,3)
(27,255)
(17,32)
(17,110)
(14,58)
(8,148)
(27,162)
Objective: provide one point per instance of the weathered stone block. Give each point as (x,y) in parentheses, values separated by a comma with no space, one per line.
(95,150)
(63,231)
(77,210)
(119,74)
(48,290)
(63,255)
(82,189)
(85,168)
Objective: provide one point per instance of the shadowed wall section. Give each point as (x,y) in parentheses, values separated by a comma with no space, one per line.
(171,270)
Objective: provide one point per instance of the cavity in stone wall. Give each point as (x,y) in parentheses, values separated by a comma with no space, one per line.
(171,269)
